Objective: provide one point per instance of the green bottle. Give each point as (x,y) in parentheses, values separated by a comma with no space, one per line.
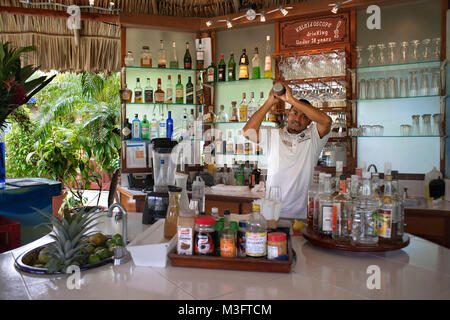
(179,91)
(255,64)
(231,68)
(211,73)
(222,69)
(145,128)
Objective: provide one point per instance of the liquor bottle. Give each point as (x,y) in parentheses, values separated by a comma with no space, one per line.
(191,123)
(145,128)
(342,209)
(337,178)
(252,107)
(148,92)
(162,127)
(231,68)
(256,235)
(271,115)
(364,215)
(211,73)
(256,72)
(162,61)
(159,93)
(268,60)
(146,57)
(169,90)
(189,92)
(129,59)
(239,147)
(200,63)
(222,116)
(312,193)
(222,69)
(229,148)
(248,147)
(174,60)
(179,91)
(316,201)
(220,144)
(126,131)
(153,128)
(399,216)
(256,175)
(138,92)
(209,116)
(169,126)
(243,66)
(127,94)
(234,112)
(247,173)
(136,131)
(198,127)
(243,109)
(184,126)
(261,103)
(388,210)
(326,207)
(227,238)
(187,58)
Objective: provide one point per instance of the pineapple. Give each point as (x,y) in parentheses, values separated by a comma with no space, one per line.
(70,244)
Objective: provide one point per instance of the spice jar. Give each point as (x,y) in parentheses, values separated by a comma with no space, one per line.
(203,238)
(276,245)
(186,223)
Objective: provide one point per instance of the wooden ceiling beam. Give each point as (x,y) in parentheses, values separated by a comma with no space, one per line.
(133,20)
(86,16)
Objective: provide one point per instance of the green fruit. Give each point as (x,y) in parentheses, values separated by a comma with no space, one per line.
(103,254)
(97,239)
(117,238)
(90,248)
(93,258)
(110,243)
(43,257)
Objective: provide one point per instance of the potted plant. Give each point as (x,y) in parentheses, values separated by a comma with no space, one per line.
(16,89)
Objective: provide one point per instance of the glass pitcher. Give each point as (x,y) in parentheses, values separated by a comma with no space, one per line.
(170,223)
(426,125)
(415,131)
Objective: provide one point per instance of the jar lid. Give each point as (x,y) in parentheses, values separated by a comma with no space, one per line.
(276,236)
(205,220)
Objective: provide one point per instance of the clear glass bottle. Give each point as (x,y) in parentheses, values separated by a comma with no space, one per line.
(256,69)
(174,60)
(234,112)
(312,193)
(261,102)
(222,116)
(387,220)
(198,134)
(200,54)
(243,108)
(342,204)
(148,92)
(169,90)
(364,215)
(171,221)
(326,207)
(184,126)
(162,61)
(146,57)
(256,234)
(153,128)
(227,237)
(162,127)
(239,143)
(230,143)
(138,92)
(252,107)
(129,59)
(316,201)
(399,217)
(268,60)
(191,124)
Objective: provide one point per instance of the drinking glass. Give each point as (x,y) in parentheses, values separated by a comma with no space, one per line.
(413,56)
(371,60)
(392,53)
(381,88)
(359,59)
(426,49)
(413,89)
(437,49)
(378,130)
(403,87)
(415,130)
(435,83)
(392,88)
(437,125)
(372,89)
(423,91)
(366,130)
(381,54)
(426,125)
(405,130)
(275,194)
(362,92)
(403,58)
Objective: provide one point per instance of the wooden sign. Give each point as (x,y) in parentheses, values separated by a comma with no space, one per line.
(314,32)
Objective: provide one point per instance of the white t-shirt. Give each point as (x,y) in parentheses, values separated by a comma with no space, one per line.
(291,159)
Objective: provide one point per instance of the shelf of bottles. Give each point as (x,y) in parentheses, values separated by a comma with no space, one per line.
(398,88)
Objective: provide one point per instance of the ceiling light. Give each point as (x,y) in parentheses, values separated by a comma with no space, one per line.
(111,6)
(337,5)
(209,23)
(229,25)
(91,3)
(263,17)
(283,11)
(335,9)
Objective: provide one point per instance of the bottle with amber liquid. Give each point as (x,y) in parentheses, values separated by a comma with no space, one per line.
(162,61)
(126,94)
(159,93)
(138,92)
(146,57)
(171,221)
(234,112)
(243,66)
(386,227)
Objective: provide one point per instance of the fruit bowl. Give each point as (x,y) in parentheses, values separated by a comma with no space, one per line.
(29,260)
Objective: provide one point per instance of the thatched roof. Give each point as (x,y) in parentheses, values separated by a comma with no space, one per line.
(99,42)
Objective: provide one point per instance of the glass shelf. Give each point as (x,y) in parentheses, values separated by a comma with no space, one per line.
(241,81)
(165,103)
(235,122)
(397,137)
(239,154)
(394,99)
(160,69)
(401,66)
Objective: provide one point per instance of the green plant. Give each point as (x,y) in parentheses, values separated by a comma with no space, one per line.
(16,88)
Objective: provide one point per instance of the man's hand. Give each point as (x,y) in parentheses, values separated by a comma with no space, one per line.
(287,96)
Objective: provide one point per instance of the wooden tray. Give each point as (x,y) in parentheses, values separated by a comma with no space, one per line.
(243,264)
(327,242)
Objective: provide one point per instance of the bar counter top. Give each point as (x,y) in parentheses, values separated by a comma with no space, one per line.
(419,271)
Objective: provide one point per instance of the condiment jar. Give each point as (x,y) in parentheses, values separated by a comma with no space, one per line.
(203,239)
(185,234)
(276,245)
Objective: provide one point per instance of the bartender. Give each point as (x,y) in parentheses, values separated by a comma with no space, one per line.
(292,151)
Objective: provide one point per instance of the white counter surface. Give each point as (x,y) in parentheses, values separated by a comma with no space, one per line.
(419,271)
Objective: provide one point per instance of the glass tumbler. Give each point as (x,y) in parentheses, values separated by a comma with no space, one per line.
(362,91)
(392,88)
(426,49)
(415,129)
(413,89)
(372,89)
(405,130)
(423,90)
(437,124)
(371,60)
(403,56)
(403,87)
(381,54)
(392,53)
(436,49)
(413,55)
(426,125)
(435,83)
(381,88)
